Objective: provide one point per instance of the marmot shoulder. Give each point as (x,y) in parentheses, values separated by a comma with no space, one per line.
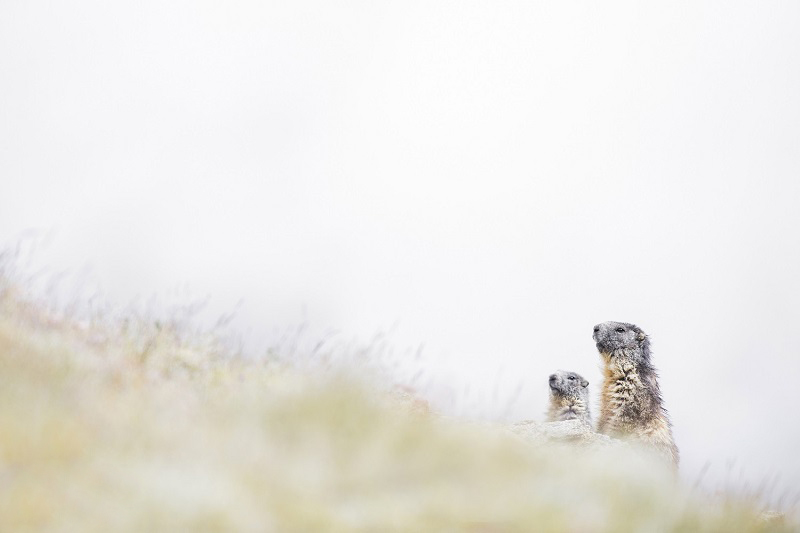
(569,398)
(630,401)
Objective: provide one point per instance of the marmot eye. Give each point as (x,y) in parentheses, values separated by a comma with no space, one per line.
(620,330)
(572,378)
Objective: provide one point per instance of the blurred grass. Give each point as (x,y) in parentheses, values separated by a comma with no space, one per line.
(136,427)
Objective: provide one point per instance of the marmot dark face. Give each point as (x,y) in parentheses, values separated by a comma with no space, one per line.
(567,383)
(615,336)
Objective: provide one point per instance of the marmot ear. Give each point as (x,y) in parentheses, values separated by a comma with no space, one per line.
(584,383)
(641,336)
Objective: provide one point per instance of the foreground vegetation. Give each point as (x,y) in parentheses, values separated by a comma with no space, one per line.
(135,426)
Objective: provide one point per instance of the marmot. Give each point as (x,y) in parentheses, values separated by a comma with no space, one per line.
(569,398)
(630,401)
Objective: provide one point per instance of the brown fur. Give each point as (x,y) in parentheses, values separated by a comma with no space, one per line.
(630,406)
(563,408)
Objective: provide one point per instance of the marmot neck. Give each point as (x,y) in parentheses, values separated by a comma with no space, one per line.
(624,361)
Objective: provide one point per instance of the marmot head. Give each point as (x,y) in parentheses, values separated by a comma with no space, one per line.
(611,337)
(567,383)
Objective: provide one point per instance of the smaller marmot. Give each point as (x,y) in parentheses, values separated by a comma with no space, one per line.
(569,398)
(630,402)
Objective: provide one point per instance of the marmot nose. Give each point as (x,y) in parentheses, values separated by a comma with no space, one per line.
(552,377)
(597,329)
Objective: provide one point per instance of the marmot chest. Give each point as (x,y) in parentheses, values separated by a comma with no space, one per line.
(626,404)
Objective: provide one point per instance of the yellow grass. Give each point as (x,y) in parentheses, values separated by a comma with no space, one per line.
(129,427)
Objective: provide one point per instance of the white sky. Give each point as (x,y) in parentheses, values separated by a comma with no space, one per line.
(487,179)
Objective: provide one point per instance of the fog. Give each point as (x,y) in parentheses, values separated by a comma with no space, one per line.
(482,182)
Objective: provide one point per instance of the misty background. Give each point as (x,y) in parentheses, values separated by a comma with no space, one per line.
(480,183)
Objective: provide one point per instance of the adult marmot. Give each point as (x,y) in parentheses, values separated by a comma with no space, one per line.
(569,398)
(630,401)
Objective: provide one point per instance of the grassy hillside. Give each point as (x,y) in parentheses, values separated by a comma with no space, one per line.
(133,427)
